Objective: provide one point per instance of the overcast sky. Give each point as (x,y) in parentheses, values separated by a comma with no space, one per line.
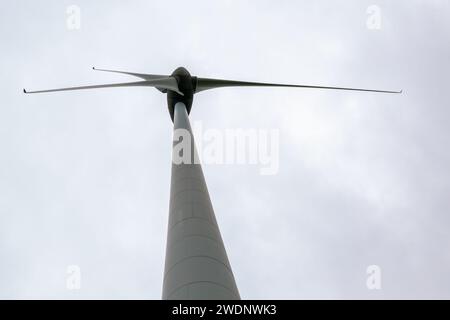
(364,179)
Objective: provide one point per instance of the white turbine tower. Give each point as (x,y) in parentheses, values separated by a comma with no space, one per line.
(197,265)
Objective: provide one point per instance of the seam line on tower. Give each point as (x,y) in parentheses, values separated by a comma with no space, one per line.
(186,178)
(199,256)
(187,190)
(194,282)
(196,218)
(171,244)
(190,203)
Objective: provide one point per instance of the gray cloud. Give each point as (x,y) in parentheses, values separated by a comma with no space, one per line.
(364,178)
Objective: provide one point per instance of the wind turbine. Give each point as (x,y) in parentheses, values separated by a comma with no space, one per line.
(196,265)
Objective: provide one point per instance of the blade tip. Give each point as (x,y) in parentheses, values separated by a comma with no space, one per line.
(24,91)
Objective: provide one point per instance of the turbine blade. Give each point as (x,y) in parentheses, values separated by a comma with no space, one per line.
(207,83)
(139,75)
(168,83)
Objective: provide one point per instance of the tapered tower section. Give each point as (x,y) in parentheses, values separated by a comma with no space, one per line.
(197,265)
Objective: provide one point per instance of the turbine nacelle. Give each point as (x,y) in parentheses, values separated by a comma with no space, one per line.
(187,85)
